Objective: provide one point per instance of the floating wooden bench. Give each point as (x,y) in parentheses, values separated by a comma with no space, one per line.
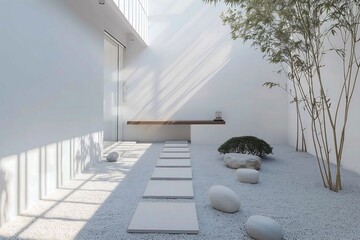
(178,122)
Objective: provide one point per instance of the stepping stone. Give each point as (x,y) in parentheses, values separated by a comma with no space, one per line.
(176,142)
(164,217)
(176,145)
(176,150)
(174,163)
(175,155)
(169,189)
(172,174)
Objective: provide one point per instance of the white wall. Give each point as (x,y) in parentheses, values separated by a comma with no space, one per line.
(332,76)
(192,68)
(51,94)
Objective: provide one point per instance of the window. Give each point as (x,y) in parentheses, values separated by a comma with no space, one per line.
(136,12)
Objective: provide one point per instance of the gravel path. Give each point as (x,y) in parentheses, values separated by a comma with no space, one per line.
(100,203)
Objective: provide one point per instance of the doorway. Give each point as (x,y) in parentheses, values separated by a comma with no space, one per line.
(113,63)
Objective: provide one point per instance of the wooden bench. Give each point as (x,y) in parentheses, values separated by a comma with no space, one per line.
(178,122)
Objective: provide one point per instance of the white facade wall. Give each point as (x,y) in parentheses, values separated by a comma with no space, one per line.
(51,94)
(191,69)
(351,155)
(332,76)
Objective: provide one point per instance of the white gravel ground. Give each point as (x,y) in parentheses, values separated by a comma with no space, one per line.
(100,203)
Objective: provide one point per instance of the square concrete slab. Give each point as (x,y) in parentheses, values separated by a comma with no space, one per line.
(172,174)
(176,145)
(169,189)
(164,217)
(176,142)
(176,150)
(174,155)
(174,163)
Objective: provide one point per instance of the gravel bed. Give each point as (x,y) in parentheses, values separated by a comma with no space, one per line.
(290,191)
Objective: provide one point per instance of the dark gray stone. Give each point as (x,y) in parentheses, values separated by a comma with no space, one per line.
(113,157)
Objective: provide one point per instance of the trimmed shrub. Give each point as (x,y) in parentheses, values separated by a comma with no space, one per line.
(246,145)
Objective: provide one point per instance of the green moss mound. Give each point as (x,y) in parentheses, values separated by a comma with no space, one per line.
(246,145)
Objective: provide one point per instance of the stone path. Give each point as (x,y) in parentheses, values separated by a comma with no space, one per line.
(172,178)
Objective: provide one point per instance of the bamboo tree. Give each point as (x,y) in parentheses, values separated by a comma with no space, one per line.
(299,34)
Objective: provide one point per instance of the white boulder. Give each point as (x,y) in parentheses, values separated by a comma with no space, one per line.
(247,175)
(112,157)
(239,160)
(263,228)
(224,199)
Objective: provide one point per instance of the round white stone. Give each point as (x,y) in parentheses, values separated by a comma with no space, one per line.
(224,199)
(239,160)
(246,175)
(112,157)
(263,228)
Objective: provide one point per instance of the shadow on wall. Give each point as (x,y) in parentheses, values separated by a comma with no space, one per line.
(91,191)
(30,175)
(192,68)
(184,54)
(88,153)
(3,196)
